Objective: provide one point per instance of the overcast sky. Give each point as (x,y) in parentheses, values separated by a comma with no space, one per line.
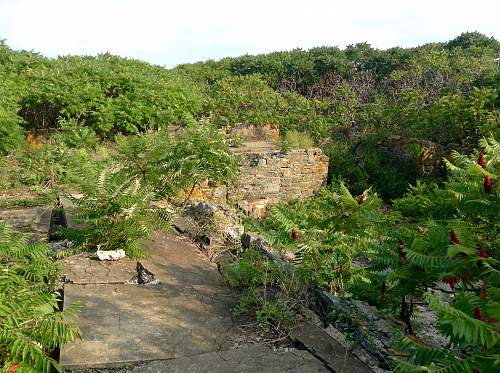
(172,32)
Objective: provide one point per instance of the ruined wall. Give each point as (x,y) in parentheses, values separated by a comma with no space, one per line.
(268,178)
(267,175)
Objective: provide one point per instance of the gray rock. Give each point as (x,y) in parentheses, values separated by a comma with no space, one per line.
(355,349)
(60,245)
(233,232)
(201,210)
(369,328)
(336,356)
(310,316)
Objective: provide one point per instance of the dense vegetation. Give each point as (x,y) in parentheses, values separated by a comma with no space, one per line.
(385,117)
(425,117)
(434,234)
(31,327)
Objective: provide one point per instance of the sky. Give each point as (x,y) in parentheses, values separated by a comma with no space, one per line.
(172,32)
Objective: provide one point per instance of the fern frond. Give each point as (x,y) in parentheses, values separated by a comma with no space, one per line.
(461,327)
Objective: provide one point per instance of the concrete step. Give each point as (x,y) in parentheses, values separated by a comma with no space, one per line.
(245,359)
(337,357)
(33,220)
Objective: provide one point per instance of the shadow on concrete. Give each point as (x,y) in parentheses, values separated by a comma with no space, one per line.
(188,313)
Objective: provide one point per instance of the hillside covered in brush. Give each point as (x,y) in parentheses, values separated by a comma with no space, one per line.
(383,116)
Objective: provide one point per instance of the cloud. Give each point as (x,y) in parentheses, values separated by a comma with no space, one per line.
(169,33)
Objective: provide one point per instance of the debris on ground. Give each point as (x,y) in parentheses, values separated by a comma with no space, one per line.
(110,254)
(144,276)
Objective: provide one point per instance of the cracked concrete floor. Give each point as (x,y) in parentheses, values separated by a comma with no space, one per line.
(187,317)
(188,313)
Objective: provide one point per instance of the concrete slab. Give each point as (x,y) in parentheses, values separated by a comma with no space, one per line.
(83,270)
(125,323)
(246,359)
(33,220)
(187,314)
(332,353)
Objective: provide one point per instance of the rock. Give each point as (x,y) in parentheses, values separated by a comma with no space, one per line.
(337,335)
(60,245)
(254,241)
(311,316)
(249,240)
(336,356)
(425,326)
(110,254)
(202,240)
(224,225)
(233,232)
(144,276)
(369,328)
(58,220)
(200,211)
(356,350)
(186,225)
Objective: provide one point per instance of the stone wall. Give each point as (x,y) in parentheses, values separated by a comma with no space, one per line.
(255,132)
(267,175)
(268,178)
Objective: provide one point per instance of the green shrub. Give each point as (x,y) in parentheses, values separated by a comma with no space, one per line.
(244,100)
(75,135)
(198,154)
(269,291)
(11,132)
(296,140)
(115,211)
(31,327)
(452,237)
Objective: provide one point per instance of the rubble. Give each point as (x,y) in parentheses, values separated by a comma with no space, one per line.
(110,254)
(144,276)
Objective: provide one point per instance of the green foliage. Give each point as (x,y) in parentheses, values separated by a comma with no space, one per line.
(115,212)
(11,132)
(333,229)
(198,154)
(374,112)
(117,207)
(75,135)
(31,328)
(296,140)
(54,166)
(269,291)
(460,247)
(141,155)
(171,165)
(434,235)
(110,94)
(244,100)
(446,93)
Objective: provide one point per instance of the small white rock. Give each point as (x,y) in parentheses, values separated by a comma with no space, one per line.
(110,254)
